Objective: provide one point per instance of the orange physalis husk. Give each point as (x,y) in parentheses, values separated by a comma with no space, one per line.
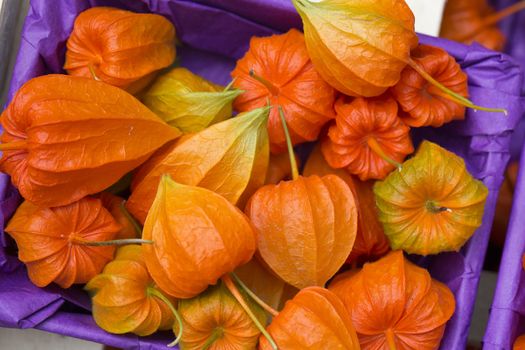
(115,206)
(54,242)
(305,227)
(214,320)
(424,104)
(279,168)
(119,47)
(198,236)
(432,204)
(469,21)
(370,242)
(396,305)
(230,158)
(368,138)
(278,69)
(358,47)
(189,102)
(125,299)
(314,319)
(519,344)
(67,137)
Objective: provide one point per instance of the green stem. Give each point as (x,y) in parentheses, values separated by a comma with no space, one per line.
(433,208)
(228,282)
(272,88)
(293,163)
(229,86)
(158,294)
(376,147)
(449,94)
(130,218)
(258,300)
(116,242)
(92,71)
(217,333)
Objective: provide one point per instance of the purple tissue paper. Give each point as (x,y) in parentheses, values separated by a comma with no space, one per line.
(215,33)
(514,29)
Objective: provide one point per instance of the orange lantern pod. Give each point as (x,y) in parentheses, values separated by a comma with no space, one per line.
(212,235)
(396,305)
(314,319)
(56,244)
(278,69)
(519,344)
(469,21)
(424,104)
(230,158)
(360,48)
(115,206)
(67,137)
(305,227)
(119,47)
(214,320)
(370,242)
(368,138)
(125,299)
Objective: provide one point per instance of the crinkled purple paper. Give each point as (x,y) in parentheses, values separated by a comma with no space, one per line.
(215,33)
(514,29)
(507,315)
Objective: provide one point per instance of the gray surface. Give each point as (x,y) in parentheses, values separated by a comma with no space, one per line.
(12,13)
(30,339)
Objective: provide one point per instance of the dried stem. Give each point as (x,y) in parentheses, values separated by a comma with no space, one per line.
(156,293)
(376,147)
(258,300)
(449,94)
(293,163)
(228,282)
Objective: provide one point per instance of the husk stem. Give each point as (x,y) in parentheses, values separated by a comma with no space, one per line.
(228,282)
(255,298)
(433,208)
(115,242)
(376,148)
(493,19)
(291,154)
(156,293)
(130,218)
(217,334)
(390,339)
(93,74)
(13,146)
(229,86)
(449,94)
(272,88)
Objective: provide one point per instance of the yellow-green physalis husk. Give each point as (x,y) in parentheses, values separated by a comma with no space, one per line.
(215,320)
(189,102)
(229,158)
(432,205)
